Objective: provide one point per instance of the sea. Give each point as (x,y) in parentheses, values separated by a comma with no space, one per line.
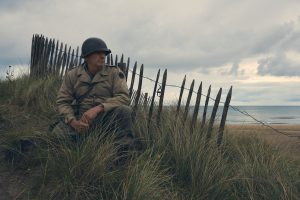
(266,114)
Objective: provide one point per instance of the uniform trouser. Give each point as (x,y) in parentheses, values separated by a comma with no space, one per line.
(117,121)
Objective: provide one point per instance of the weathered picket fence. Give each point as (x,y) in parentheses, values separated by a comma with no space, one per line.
(50,57)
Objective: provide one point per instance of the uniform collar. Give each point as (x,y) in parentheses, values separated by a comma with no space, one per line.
(81,70)
(98,77)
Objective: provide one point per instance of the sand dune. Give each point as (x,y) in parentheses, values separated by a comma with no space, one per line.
(289,144)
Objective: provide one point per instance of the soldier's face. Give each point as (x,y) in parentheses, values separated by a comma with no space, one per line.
(96,59)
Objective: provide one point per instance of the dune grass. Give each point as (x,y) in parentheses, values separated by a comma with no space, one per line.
(175,163)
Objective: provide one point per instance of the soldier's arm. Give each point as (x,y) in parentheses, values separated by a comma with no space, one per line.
(120,92)
(65,98)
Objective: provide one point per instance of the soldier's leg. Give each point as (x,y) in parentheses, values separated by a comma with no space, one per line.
(63,131)
(120,121)
(118,118)
(121,116)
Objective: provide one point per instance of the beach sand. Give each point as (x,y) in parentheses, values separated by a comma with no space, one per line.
(288,144)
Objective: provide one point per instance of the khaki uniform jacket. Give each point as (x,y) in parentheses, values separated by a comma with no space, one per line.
(110,89)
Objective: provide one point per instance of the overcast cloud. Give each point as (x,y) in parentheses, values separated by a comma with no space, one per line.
(222,42)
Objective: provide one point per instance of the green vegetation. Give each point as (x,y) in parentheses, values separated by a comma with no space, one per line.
(176,163)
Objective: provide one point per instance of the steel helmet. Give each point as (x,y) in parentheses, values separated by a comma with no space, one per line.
(92,45)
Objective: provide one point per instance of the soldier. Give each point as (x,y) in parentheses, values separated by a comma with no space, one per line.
(100,93)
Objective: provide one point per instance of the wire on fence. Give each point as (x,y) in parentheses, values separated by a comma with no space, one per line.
(233,107)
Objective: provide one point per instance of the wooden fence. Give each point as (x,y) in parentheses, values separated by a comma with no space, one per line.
(50,57)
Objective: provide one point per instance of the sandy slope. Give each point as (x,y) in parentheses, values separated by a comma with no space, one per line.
(289,144)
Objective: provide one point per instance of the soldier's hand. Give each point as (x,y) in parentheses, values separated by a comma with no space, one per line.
(79,125)
(91,114)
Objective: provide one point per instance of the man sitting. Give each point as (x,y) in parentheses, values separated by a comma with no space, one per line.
(100,92)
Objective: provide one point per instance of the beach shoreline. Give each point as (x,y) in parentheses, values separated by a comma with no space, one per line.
(286,128)
(288,141)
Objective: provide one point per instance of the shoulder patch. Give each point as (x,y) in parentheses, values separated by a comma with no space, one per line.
(121,75)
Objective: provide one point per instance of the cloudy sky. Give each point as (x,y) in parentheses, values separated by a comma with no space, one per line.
(253,45)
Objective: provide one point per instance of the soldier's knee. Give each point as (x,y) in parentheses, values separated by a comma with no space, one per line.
(62,129)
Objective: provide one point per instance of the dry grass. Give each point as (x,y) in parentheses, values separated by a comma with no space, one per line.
(176,163)
(288,145)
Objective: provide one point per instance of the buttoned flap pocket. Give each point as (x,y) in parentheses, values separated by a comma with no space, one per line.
(100,78)
(103,89)
(104,79)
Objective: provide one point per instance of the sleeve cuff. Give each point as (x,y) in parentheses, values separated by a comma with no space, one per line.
(68,118)
(107,107)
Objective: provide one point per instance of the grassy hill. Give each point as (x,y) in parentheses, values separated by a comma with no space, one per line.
(175,163)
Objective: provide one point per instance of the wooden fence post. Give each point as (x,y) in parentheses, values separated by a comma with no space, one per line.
(224,115)
(55,58)
(180,95)
(152,99)
(127,68)
(187,106)
(213,114)
(132,79)
(108,59)
(77,59)
(116,60)
(205,107)
(64,58)
(68,60)
(32,52)
(138,93)
(122,59)
(40,53)
(59,59)
(43,58)
(161,98)
(197,104)
(71,64)
(51,57)
(111,60)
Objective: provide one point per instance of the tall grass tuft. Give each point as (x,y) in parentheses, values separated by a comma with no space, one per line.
(36,94)
(78,169)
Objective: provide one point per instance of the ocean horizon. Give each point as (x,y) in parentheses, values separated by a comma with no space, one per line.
(266,114)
